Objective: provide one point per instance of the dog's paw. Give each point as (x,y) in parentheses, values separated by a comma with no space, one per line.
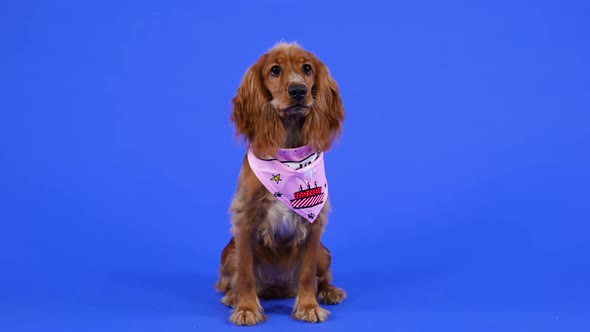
(331,295)
(311,313)
(245,316)
(229,300)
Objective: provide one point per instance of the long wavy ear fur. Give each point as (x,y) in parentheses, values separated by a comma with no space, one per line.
(323,124)
(253,116)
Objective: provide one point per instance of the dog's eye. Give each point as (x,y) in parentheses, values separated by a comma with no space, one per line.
(275,70)
(306,69)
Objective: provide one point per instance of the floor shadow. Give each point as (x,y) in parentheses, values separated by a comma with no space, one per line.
(278,307)
(190,292)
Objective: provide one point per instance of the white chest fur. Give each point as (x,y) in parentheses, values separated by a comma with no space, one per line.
(286,224)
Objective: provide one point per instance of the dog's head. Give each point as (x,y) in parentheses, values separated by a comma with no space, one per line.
(287,98)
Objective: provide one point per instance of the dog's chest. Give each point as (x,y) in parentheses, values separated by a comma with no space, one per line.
(282,224)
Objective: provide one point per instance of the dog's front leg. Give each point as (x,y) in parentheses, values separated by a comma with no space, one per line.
(306,305)
(248,310)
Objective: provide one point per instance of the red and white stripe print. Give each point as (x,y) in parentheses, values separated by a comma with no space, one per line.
(307,202)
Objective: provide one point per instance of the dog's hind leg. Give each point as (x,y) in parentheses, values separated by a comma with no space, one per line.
(227,274)
(327,293)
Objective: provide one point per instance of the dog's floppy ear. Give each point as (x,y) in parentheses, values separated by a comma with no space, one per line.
(325,119)
(253,116)
(249,100)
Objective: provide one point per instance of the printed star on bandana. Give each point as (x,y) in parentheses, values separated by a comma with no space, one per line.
(276,178)
(309,173)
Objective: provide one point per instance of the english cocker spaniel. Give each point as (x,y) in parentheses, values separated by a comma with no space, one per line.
(288,110)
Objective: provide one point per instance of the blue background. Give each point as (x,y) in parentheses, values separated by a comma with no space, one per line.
(468,210)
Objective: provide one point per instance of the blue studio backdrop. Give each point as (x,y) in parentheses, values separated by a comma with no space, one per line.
(460,185)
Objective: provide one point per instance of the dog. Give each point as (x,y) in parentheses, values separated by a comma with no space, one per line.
(288,110)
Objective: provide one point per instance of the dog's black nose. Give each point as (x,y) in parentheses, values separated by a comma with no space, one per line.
(297,92)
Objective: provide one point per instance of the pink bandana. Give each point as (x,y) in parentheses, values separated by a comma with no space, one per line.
(295,177)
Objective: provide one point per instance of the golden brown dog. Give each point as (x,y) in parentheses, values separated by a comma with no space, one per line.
(287,99)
